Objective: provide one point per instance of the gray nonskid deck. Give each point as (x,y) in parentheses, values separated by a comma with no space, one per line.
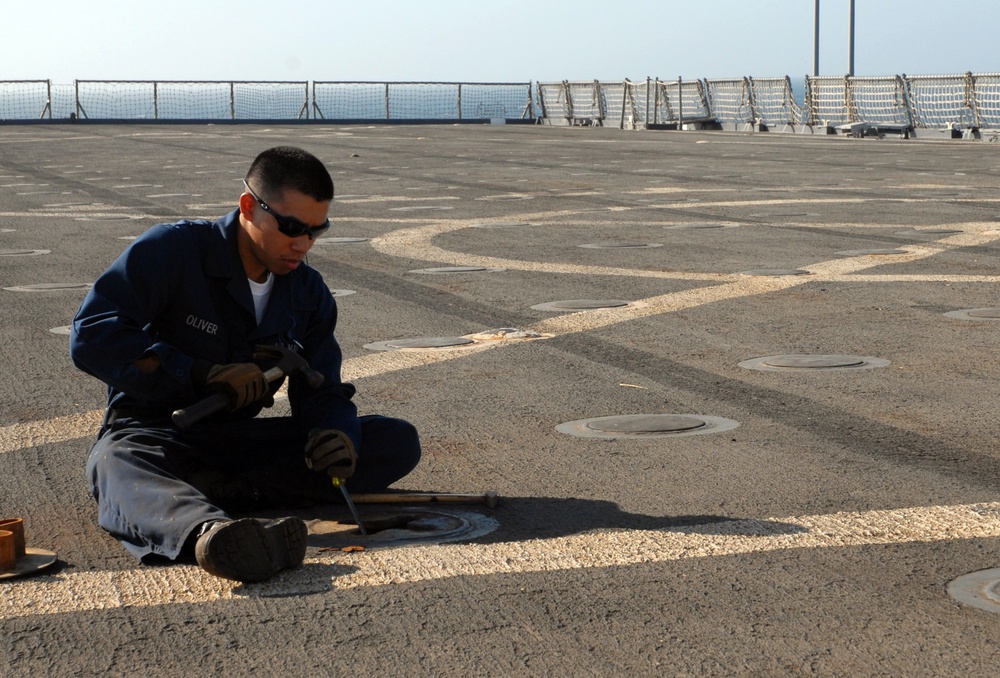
(833,298)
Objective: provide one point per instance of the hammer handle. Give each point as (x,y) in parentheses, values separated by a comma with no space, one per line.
(488,498)
(192,414)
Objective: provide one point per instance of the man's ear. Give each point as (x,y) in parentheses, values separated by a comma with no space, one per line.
(247,206)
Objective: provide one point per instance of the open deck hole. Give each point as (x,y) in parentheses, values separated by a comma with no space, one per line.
(403,521)
(405,525)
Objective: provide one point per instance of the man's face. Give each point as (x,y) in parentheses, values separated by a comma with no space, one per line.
(262,246)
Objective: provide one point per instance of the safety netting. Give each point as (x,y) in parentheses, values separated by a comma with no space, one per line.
(942,101)
(355,100)
(617,110)
(774,103)
(878,101)
(345,100)
(957,102)
(102,99)
(681,101)
(573,103)
(826,98)
(986,87)
(25,99)
(422,100)
(490,100)
(555,102)
(730,100)
(191,100)
(270,100)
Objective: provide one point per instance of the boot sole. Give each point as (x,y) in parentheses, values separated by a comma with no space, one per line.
(252,550)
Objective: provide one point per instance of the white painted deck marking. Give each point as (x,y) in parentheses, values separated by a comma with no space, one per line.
(73,592)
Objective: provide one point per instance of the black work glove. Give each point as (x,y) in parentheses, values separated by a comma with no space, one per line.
(244,383)
(330,451)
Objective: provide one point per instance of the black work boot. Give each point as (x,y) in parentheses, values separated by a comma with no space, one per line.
(252,549)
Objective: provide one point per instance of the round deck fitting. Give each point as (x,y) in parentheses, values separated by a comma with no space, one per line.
(339,240)
(406,525)
(580,304)
(457,269)
(646,426)
(978,589)
(929,231)
(500,224)
(775,272)
(803,362)
(502,198)
(696,226)
(975,314)
(22,253)
(872,252)
(342,293)
(49,287)
(109,217)
(506,334)
(620,245)
(421,343)
(418,208)
(765,215)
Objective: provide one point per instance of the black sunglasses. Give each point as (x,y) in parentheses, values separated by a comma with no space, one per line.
(290,226)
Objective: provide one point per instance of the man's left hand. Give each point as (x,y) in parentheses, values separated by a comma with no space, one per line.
(330,451)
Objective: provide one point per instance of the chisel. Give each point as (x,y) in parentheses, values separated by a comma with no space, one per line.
(339,482)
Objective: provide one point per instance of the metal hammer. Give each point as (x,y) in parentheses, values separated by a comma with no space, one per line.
(288,362)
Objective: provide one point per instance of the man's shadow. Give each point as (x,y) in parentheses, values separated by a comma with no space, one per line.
(528,518)
(523,518)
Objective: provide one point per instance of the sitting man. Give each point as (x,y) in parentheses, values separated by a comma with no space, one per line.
(196,308)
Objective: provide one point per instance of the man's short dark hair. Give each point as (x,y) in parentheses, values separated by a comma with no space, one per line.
(279,169)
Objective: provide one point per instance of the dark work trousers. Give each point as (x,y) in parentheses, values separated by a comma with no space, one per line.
(155,484)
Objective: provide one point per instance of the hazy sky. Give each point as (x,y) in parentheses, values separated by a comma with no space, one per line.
(483,41)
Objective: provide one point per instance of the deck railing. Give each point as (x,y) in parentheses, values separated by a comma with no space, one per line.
(961,102)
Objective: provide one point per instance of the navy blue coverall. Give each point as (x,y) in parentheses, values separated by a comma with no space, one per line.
(180,292)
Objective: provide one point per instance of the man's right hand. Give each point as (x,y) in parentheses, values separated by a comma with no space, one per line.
(244,383)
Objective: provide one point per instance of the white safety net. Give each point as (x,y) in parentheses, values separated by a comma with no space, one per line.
(495,100)
(729,100)
(987,90)
(24,99)
(642,98)
(681,101)
(350,100)
(102,99)
(423,101)
(270,100)
(774,102)
(554,101)
(585,102)
(191,101)
(941,101)
(878,101)
(617,109)
(826,98)
(194,100)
